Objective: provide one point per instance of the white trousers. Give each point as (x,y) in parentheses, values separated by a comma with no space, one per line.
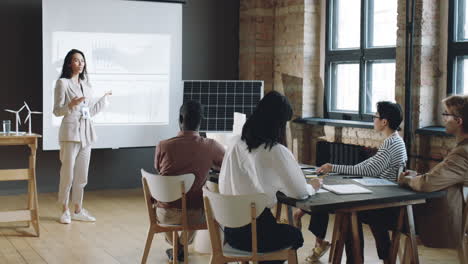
(74,172)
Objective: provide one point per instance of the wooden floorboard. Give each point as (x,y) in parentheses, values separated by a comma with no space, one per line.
(120,233)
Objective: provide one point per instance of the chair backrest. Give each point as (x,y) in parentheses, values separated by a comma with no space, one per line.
(167,188)
(401,169)
(235,210)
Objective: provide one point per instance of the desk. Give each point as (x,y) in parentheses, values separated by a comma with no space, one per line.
(30,214)
(347,206)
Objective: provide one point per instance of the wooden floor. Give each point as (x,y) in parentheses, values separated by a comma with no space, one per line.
(119,234)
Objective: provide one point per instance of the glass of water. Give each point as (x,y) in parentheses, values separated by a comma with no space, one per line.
(6,126)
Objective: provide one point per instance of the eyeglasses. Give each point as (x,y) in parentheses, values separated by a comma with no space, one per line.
(445,114)
(375,117)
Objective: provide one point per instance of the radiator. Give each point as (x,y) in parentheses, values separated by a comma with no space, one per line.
(342,154)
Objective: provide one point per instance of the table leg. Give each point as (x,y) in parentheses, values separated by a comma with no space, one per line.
(356,239)
(412,235)
(342,233)
(32,188)
(336,230)
(396,236)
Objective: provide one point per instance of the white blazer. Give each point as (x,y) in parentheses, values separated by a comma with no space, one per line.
(75,128)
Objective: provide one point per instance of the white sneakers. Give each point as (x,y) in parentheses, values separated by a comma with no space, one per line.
(83,215)
(65,218)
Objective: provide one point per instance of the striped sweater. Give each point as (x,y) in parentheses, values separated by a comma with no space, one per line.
(384,164)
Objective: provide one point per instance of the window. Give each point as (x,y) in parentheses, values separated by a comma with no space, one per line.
(457,57)
(360,57)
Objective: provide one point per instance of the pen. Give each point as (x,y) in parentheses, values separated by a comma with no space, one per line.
(352,177)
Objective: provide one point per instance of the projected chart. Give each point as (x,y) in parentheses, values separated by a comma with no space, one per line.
(135,67)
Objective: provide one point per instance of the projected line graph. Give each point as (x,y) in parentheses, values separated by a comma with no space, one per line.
(135,67)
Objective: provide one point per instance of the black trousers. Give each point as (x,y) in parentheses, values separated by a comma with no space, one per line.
(318,224)
(271,236)
(380,222)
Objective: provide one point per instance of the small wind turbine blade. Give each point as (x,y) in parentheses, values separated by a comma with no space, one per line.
(27,106)
(27,118)
(18,118)
(35,112)
(21,108)
(11,111)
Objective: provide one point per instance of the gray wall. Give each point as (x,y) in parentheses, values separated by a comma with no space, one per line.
(210,51)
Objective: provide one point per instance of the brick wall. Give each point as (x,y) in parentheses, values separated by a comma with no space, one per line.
(281,43)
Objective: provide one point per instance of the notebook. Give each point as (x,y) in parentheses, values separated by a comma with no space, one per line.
(375,182)
(346,188)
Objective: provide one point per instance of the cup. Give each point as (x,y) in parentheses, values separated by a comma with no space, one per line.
(6,126)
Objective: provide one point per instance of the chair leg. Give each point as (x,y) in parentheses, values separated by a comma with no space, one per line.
(292,256)
(462,253)
(185,242)
(175,247)
(149,241)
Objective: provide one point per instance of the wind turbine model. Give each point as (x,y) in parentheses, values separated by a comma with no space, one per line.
(18,119)
(29,116)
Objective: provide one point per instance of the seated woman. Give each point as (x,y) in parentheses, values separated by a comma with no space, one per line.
(257,162)
(390,157)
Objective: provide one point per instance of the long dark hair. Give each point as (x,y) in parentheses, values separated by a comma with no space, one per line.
(66,69)
(267,124)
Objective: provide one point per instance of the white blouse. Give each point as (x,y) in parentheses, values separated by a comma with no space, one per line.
(262,171)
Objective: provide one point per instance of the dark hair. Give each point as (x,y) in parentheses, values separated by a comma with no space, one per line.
(392,112)
(458,104)
(66,69)
(267,124)
(191,115)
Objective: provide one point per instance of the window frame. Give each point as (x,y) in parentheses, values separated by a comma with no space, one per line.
(362,55)
(455,48)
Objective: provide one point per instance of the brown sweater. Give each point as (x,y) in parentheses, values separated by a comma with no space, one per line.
(188,153)
(439,221)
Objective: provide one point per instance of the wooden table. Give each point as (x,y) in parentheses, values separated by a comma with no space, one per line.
(347,206)
(30,214)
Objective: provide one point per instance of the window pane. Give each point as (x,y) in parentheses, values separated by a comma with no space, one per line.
(461,75)
(383,23)
(345,87)
(460,20)
(381,84)
(346,24)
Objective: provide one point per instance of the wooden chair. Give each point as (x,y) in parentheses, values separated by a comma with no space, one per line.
(236,211)
(167,189)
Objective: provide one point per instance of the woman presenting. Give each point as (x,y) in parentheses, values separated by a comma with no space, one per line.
(73,101)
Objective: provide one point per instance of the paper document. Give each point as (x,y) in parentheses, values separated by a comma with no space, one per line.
(239,121)
(309,171)
(374,182)
(346,188)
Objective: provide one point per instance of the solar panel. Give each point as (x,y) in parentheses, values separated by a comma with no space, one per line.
(221,99)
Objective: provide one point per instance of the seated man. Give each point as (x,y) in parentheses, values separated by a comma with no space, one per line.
(187,153)
(441,219)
